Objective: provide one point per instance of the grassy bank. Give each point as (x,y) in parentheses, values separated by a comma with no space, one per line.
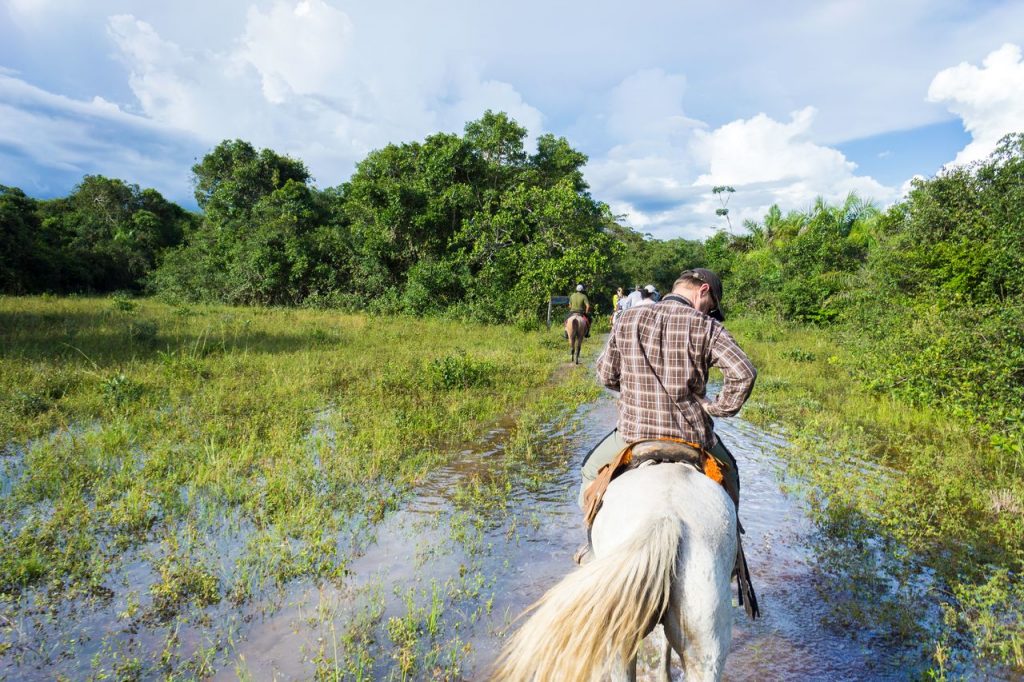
(165,463)
(921,516)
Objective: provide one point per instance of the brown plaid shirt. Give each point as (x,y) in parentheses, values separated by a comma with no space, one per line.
(680,345)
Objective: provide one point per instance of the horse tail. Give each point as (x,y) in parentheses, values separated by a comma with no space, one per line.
(602,610)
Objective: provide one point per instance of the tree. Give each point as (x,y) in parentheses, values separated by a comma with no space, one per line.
(28,261)
(234,176)
(555,160)
(110,234)
(723,193)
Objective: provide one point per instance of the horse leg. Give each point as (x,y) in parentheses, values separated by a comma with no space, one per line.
(574,341)
(673,640)
(701,628)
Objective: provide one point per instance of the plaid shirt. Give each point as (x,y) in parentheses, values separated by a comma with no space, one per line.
(680,345)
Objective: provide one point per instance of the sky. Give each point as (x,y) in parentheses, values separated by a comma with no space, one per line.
(784,102)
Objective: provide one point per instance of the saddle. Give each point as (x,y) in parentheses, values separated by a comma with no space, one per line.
(583,319)
(680,452)
(657,452)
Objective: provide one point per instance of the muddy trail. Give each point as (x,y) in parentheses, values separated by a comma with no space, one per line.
(433,591)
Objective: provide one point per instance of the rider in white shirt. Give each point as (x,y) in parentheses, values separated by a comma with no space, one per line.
(634,297)
(645,297)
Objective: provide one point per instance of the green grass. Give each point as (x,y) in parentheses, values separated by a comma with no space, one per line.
(229,450)
(922,516)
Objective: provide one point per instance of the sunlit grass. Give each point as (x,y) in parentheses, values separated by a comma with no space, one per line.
(905,496)
(231,450)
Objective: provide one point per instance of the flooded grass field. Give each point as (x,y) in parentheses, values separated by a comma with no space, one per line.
(283,495)
(171,474)
(448,573)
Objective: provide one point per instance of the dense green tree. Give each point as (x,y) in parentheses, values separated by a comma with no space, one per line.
(265,237)
(556,159)
(234,176)
(961,232)
(28,260)
(405,202)
(109,234)
(538,242)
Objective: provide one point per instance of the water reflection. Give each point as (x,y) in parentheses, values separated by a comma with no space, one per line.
(526,547)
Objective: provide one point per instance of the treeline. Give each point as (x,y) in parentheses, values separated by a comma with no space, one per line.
(470,225)
(465,225)
(930,291)
(105,236)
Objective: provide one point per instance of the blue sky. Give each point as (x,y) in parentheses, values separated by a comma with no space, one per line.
(783,101)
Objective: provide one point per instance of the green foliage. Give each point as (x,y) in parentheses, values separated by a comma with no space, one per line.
(467,226)
(969,359)
(798,355)
(266,236)
(915,512)
(122,303)
(106,235)
(921,310)
(459,370)
(119,389)
(432,287)
(233,177)
(142,331)
(28,258)
(959,233)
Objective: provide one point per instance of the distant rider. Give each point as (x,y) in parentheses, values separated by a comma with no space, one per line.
(632,299)
(580,304)
(645,298)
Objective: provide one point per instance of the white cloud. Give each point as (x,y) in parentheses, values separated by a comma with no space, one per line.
(763,150)
(48,142)
(298,49)
(664,165)
(989,100)
(295,81)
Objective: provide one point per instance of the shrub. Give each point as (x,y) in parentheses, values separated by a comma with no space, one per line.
(460,371)
(119,390)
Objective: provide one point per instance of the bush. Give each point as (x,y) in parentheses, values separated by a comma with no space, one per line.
(460,371)
(122,303)
(119,390)
(798,355)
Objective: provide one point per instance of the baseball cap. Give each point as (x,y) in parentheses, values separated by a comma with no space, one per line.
(650,288)
(714,284)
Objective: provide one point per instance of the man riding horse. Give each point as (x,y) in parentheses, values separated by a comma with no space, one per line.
(658,357)
(579,304)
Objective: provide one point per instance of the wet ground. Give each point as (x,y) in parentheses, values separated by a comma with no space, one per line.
(455,570)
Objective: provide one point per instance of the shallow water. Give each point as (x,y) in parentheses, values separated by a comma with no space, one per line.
(456,569)
(526,548)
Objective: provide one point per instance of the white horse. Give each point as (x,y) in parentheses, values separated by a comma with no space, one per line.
(664,548)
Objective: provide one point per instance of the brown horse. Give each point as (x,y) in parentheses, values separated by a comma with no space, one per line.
(575,331)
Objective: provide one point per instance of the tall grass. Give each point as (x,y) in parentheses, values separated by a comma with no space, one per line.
(222,452)
(922,517)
